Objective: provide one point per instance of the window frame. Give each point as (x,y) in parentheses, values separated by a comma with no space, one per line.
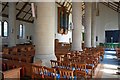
(20,31)
(3,26)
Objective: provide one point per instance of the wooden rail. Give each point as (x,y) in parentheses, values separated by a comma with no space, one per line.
(13,73)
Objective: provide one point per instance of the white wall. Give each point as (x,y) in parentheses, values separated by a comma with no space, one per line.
(107,20)
(28,27)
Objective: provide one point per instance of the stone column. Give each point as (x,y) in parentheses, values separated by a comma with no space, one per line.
(12,24)
(77,24)
(44,33)
(88,14)
(93,25)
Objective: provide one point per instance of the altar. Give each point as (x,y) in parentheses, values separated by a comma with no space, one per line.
(110,45)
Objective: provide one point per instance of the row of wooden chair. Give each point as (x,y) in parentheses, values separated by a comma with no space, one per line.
(39,72)
(61,48)
(11,64)
(90,51)
(19,58)
(79,67)
(76,57)
(90,56)
(19,49)
(19,53)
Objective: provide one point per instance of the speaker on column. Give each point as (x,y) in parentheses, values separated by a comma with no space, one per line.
(33,9)
(96,38)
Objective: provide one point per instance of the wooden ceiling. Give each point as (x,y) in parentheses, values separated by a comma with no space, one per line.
(113,5)
(24,13)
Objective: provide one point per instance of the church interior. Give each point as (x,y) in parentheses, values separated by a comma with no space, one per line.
(60,39)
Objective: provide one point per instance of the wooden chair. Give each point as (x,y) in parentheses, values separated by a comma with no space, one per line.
(14,51)
(15,57)
(66,65)
(29,48)
(82,70)
(49,73)
(54,63)
(65,59)
(4,66)
(90,66)
(80,74)
(6,56)
(22,49)
(101,50)
(37,72)
(75,59)
(118,53)
(5,50)
(23,59)
(65,73)
(10,65)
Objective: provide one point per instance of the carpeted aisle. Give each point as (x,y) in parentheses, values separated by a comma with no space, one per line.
(109,66)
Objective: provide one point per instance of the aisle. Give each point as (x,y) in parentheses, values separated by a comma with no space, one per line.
(109,65)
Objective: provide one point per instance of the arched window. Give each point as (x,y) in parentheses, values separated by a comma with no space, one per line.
(5,29)
(0,28)
(21,31)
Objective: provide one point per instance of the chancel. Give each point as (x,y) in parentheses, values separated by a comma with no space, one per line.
(59,40)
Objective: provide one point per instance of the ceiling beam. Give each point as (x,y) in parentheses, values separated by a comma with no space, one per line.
(63,7)
(17,9)
(4,7)
(30,16)
(109,4)
(4,4)
(113,5)
(32,21)
(4,15)
(70,9)
(64,2)
(58,4)
(22,9)
(17,3)
(24,20)
(118,7)
(26,13)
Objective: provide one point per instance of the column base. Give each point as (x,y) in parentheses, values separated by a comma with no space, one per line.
(45,59)
(76,50)
(94,46)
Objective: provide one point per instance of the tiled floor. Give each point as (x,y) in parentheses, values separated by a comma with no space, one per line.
(109,66)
